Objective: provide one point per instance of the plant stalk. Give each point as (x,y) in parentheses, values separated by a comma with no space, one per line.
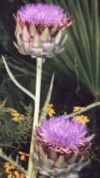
(90,106)
(31,167)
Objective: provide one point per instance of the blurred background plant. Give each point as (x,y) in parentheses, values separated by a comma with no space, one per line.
(15,135)
(77,69)
(15,128)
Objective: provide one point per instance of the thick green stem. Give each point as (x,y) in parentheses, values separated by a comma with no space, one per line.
(31,168)
(38,88)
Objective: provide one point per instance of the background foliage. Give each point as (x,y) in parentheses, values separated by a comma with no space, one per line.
(77,69)
(15,133)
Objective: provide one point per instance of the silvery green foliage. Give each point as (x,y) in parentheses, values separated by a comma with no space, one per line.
(82,55)
(14,134)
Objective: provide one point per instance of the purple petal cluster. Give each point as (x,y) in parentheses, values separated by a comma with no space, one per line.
(40,13)
(63,131)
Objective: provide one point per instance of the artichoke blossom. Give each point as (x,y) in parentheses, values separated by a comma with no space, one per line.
(41,29)
(62,145)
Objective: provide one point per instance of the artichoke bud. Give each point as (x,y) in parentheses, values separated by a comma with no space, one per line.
(42,30)
(59,153)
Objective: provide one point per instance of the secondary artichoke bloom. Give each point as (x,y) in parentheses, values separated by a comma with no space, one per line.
(62,144)
(64,135)
(41,29)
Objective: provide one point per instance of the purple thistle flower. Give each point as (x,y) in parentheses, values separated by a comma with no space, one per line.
(63,131)
(63,134)
(61,143)
(41,29)
(42,13)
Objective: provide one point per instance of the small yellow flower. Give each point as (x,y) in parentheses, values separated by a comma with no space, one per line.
(23,155)
(14,113)
(21,176)
(8,166)
(17,116)
(77,108)
(81,118)
(15,174)
(50,110)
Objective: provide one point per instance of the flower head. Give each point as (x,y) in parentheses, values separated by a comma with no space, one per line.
(77,108)
(23,155)
(50,110)
(40,29)
(17,116)
(15,174)
(41,14)
(8,166)
(63,135)
(81,118)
